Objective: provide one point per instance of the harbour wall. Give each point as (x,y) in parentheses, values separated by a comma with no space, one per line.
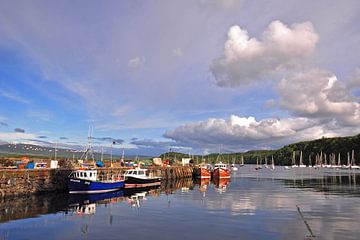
(18,182)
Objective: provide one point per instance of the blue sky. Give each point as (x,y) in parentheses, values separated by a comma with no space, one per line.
(186,75)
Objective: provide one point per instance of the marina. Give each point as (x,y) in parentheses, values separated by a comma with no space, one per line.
(204,120)
(300,203)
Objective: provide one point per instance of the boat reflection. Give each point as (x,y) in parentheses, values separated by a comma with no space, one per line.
(203,184)
(85,204)
(136,196)
(344,184)
(221,184)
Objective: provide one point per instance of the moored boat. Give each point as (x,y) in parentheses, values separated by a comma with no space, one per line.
(203,171)
(139,177)
(221,171)
(88,181)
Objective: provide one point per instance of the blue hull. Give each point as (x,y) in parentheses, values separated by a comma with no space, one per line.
(81,199)
(86,186)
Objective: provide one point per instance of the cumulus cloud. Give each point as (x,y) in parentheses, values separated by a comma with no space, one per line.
(241,133)
(3,124)
(246,60)
(19,130)
(42,137)
(319,94)
(63,138)
(137,61)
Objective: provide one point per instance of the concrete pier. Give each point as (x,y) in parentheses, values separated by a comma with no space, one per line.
(16,182)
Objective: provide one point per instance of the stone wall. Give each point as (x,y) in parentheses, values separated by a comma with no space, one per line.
(31,181)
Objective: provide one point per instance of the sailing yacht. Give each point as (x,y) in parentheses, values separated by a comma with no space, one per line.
(301,164)
(293,164)
(242,161)
(258,167)
(348,162)
(233,167)
(353,162)
(266,165)
(272,163)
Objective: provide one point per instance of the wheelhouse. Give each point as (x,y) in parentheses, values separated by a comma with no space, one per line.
(90,175)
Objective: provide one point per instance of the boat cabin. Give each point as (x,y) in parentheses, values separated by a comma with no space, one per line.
(90,175)
(220,165)
(135,173)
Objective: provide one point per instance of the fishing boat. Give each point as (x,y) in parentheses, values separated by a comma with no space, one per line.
(203,171)
(221,170)
(139,177)
(89,181)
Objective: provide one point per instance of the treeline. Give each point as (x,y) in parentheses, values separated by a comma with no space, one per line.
(283,156)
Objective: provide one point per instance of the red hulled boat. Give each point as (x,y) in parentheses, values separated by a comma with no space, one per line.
(203,171)
(221,170)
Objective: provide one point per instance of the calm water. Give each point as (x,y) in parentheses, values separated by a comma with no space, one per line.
(264,204)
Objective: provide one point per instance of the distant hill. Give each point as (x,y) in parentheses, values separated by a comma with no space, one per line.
(35,151)
(342,145)
(283,156)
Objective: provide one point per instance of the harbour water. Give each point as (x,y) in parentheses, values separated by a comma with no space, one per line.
(300,203)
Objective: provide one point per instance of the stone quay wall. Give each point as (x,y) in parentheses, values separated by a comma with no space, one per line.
(17,182)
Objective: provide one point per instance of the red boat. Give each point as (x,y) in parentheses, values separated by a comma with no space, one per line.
(203,171)
(221,170)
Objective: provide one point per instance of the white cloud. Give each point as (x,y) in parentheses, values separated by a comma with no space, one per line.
(246,60)
(16,136)
(239,134)
(220,4)
(178,52)
(13,96)
(319,94)
(137,61)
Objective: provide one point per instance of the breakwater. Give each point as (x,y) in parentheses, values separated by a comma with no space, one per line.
(16,182)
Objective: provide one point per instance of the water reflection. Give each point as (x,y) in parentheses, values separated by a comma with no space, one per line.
(344,184)
(267,204)
(221,184)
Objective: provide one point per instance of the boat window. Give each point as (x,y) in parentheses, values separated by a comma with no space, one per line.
(141,172)
(135,172)
(85,175)
(90,174)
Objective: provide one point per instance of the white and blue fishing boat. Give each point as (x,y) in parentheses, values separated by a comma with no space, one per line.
(88,181)
(139,178)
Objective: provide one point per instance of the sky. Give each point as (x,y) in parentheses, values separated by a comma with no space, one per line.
(193,76)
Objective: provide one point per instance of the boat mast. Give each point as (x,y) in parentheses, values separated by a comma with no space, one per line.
(55,149)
